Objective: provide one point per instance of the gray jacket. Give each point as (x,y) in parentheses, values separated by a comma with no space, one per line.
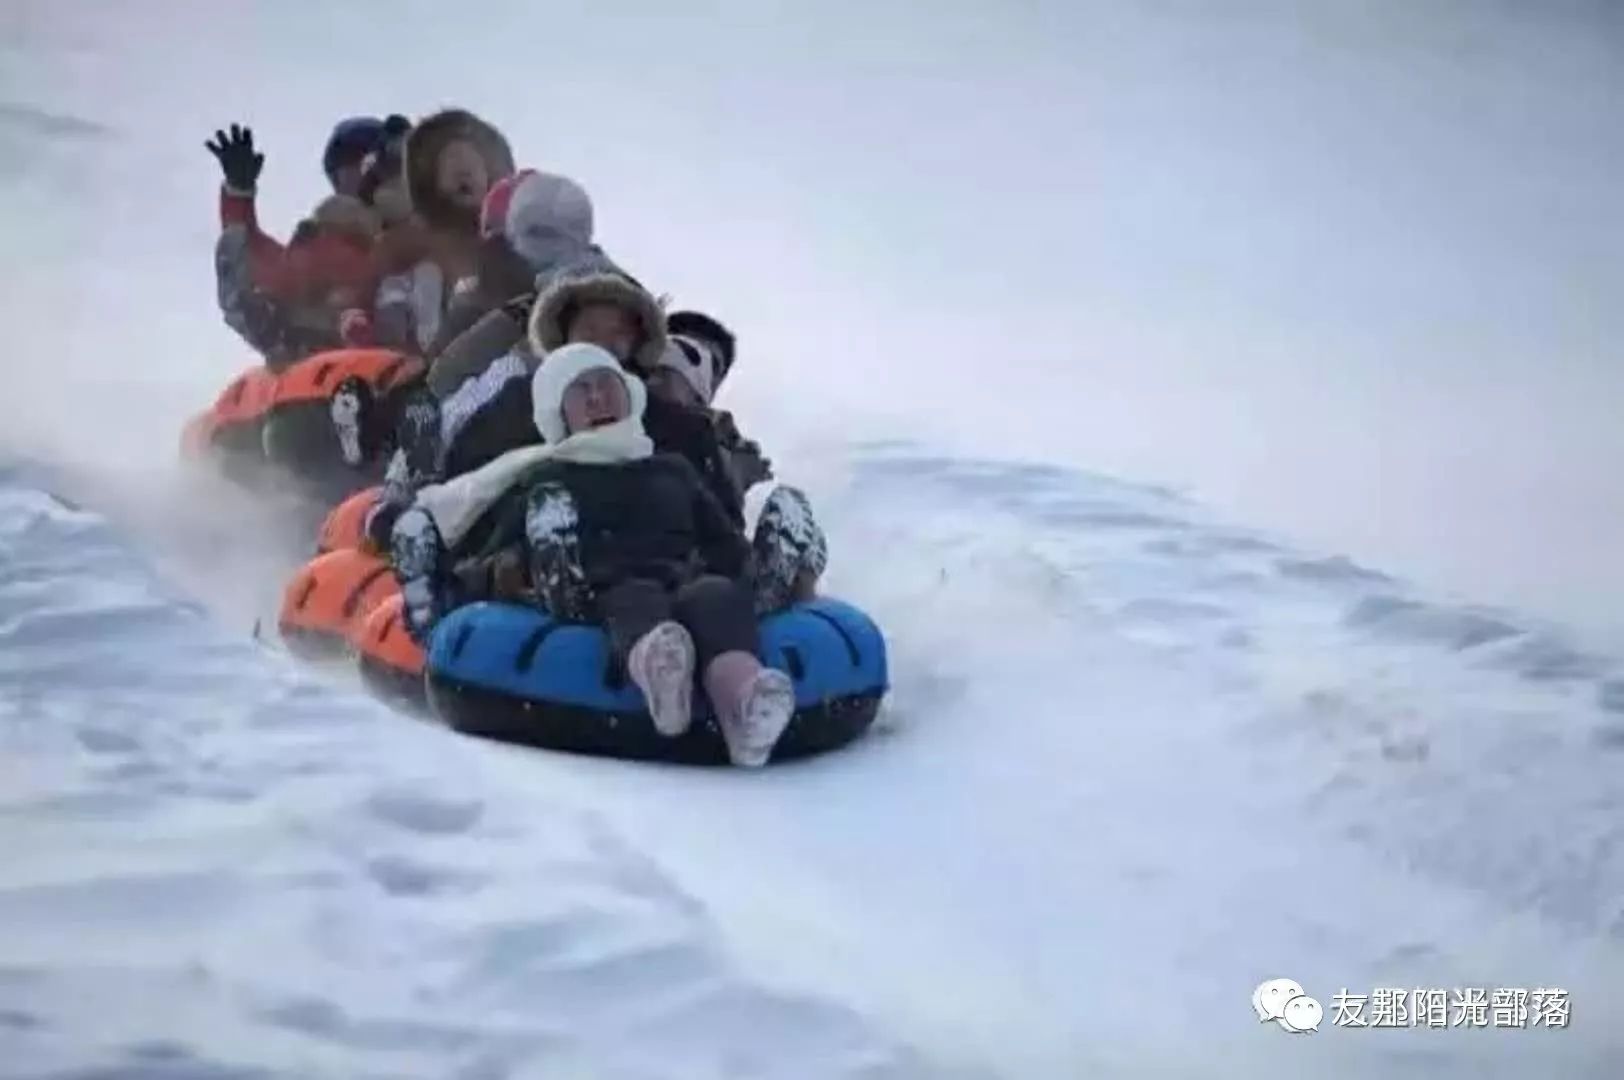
(494,335)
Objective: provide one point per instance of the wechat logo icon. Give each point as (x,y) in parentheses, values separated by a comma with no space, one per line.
(1283,1001)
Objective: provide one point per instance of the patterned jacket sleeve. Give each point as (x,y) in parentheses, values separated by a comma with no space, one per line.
(263,252)
(489,339)
(246,308)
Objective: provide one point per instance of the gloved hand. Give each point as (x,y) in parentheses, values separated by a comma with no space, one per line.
(727,429)
(508,578)
(355,328)
(235,153)
(748,465)
(473,578)
(498,577)
(518,308)
(380,523)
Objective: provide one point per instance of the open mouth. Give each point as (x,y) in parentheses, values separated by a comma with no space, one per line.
(601,421)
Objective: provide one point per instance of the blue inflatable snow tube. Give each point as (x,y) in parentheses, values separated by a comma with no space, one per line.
(514,673)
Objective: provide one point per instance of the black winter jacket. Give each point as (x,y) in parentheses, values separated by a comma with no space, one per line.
(690,432)
(652,518)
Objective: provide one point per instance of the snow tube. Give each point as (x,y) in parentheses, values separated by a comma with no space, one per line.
(514,673)
(298,431)
(230,433)
(345,527)
(391,662)
(328,597)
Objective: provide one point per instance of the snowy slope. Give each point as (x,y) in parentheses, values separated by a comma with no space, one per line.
(1134,763)
(218,867)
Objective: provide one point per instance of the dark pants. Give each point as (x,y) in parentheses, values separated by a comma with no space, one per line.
(717,611)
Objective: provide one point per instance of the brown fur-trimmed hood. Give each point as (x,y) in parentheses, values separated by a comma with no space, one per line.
(423,148)
(595,284)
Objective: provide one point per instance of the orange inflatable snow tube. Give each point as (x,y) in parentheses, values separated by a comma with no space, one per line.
(329,597)
(198,435)
(246,397)
(244,401)
(230,429)
(345,527)
(391,662)
(299,435)
(315,377)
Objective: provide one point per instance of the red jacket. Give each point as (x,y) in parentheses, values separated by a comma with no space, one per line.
(317,264)
(326,267)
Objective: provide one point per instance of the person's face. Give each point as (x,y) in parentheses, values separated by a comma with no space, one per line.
(668,385)
(391,200)
(596,397)
(608,326)
(461,175)
(347,179)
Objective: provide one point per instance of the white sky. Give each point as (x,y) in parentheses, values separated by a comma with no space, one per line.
(1345,270)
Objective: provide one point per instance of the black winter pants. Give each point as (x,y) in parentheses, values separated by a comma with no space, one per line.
(717,611)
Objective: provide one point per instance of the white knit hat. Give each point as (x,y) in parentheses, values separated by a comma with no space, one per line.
(545,218)
(563,366)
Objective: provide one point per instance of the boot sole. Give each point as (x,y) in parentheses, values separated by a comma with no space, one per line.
(669,687)
(766,714)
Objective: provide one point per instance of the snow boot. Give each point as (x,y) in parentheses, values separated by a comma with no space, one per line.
(417,436)
(351,409)
(662,666)
(417,554)
(790,551)
(552,528)
(754,704)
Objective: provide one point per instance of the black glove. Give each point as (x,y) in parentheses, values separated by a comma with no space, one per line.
(518,308)
(748,465)
(498,577)
(234,151)
(727,430)
(508,581)
(473,578)
(379,526)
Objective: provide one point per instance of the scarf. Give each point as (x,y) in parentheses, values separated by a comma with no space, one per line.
(458,504)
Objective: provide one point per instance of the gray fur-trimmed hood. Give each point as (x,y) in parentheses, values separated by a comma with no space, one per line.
(423,148)
(596,283)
